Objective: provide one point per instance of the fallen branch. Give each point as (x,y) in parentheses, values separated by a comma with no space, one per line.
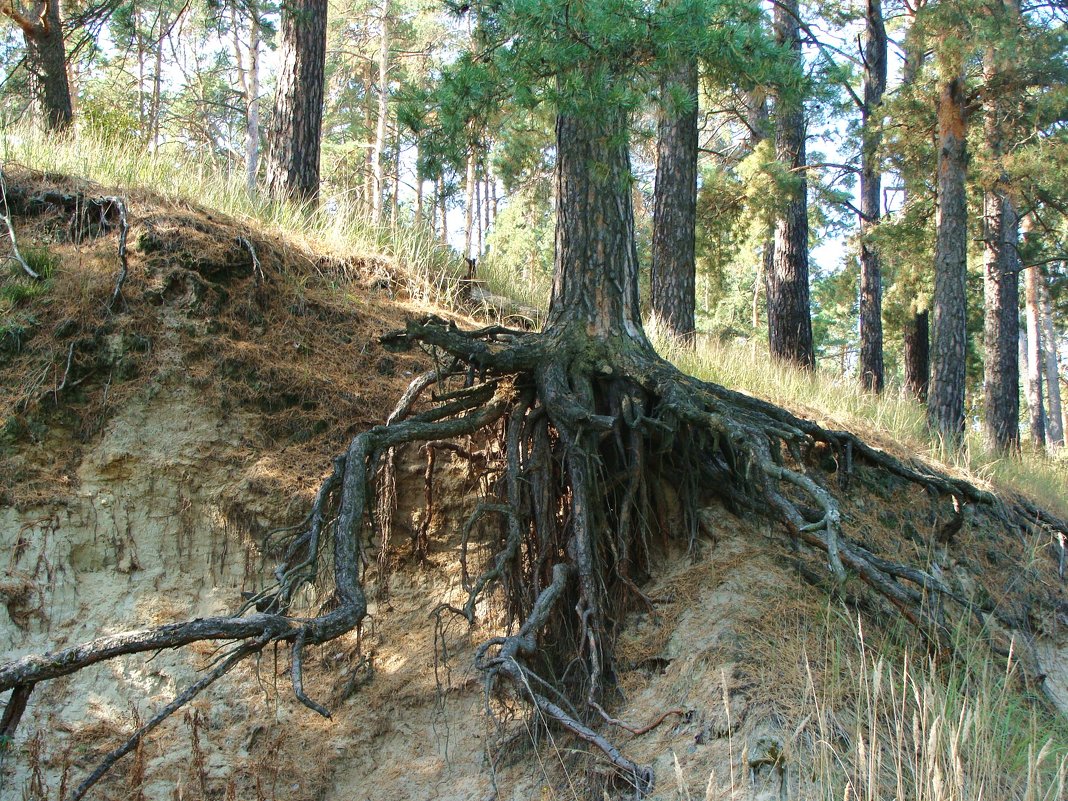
(16,255)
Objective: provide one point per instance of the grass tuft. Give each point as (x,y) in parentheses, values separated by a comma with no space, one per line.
(884,723)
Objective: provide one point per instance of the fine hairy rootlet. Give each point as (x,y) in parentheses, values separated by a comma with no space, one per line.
(598,443)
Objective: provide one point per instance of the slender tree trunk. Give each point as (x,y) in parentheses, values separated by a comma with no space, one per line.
(444,211)
(47,60)
(296,130)
(758,120)
(789,311)
(469,204)
(383,112)
(917,355)
(945,400)
(486,204)
(395,194)
(1036,411)
(917,329)
(368,128)
(871,279)
(157,82)
(674,272)
(1055,428)
(493,200)
(478,216)
(249,77)
(418,187)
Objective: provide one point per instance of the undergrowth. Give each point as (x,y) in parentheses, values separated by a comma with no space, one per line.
(882,721)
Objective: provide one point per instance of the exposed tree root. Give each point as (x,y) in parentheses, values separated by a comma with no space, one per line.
(603,448)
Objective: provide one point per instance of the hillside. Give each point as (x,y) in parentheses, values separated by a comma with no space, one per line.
(153,453)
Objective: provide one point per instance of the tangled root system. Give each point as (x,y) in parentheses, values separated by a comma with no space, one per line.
(603,451)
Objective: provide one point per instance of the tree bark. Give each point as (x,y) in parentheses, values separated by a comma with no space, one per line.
(789,310)
(917,355)
(1001,267)
(871,281)
(674,271)
(1035,409)
(945,400)
(1055,427)
(46,57)
(469,204)
(383,112)
(293,157)
(595,271)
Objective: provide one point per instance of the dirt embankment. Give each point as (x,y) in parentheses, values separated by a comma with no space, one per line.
(148,453)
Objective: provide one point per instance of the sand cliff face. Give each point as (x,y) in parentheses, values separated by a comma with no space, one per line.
(166,524)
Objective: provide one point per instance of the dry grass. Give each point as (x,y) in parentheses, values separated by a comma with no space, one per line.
(336,229)
(880,721)
(291,345)
(891,420)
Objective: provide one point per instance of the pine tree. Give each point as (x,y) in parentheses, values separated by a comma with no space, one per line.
(674,269)
(296,130)
(945,399)
(42,30)
(789,308)
(872,375)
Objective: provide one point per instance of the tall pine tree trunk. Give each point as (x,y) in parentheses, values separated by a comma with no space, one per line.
(1001,268)
(296,130)
(595,273)
(42,31)
(1035,363)
(945,399)
(674,271)
(1055,427)
(789,311)
(871,280)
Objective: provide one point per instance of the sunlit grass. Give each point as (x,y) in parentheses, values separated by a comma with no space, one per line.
(881,721)
(891,420)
